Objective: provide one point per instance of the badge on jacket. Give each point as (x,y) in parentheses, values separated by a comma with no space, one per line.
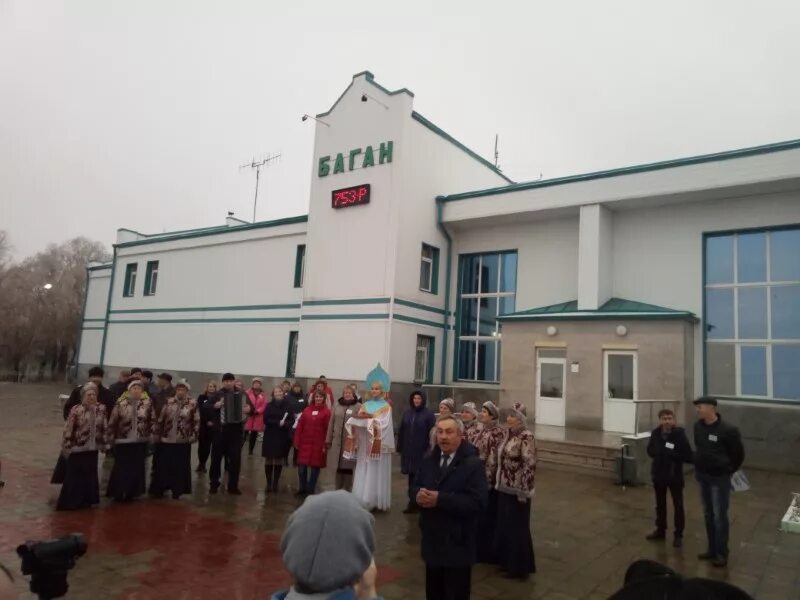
(669,446)
(712,437)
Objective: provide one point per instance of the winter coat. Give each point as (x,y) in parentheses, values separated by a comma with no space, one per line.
(718,448)
(412,438)
(278,421)
(516,463)
(449,529)
(208,413)
(103,397)
(669,453)
(255,418)
(341,412)
(487,440)
(309,437)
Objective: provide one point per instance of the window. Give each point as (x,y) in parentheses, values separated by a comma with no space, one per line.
(291,356)
(487,289)
(299,265)
(130,280)
(151,278)
(429,269)
(752,314)
(423,361)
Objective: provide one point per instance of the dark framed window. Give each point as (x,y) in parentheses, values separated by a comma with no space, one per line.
(429,269)
(129,286)
(291,356)
(299,265)
(151,278)
(487,289)
(751,314)
(423,359)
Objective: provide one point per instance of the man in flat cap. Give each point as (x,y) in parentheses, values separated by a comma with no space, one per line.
(718,454)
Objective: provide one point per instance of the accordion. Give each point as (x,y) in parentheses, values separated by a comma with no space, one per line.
(232,407)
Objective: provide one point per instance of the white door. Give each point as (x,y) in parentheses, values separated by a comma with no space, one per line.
(550,390)
(620,389)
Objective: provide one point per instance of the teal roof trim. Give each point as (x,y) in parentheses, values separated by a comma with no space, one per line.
(656,166)
(370,79)
(615,308)
(170,237)
(443,134)
(99,267)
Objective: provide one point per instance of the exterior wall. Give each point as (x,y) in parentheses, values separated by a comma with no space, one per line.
(547,258)
(661,350)
(223,301)
(94,316)
(658,252)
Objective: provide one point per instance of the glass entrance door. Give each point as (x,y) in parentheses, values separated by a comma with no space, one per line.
(550,387)
(620,389)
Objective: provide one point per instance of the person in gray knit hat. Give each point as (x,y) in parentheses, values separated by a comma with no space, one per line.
(328,525)
(469,416)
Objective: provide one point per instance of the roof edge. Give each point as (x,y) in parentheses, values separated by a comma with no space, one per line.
(446,136)
(602,316)
(630,170)
(370,78)
(214,231)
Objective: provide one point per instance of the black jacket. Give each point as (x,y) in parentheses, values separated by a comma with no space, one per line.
(116,390)
(278,421)
(669,453)
(449,529)
(103,397)
(718,448)
(207,411)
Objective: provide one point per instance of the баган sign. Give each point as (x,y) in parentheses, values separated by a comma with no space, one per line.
(357,158)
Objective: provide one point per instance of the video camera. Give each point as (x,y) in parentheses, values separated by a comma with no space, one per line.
(48,562)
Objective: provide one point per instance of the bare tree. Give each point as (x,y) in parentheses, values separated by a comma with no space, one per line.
(40,306)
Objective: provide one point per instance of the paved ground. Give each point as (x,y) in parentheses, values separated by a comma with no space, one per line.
(586,531)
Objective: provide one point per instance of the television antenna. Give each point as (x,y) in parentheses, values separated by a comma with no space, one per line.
(496,153)
(257,165)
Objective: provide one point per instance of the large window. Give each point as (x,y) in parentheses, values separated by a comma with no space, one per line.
(291,357)
(429,269)
(129,286)
(423,360)
(300,265)
(488,286)
(151,278)
(752,314)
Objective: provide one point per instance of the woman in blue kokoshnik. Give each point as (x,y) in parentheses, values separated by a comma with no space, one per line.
(370,440)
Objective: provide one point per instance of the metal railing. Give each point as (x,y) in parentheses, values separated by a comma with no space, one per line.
(650,404)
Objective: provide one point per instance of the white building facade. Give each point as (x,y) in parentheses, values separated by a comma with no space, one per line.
(580,296)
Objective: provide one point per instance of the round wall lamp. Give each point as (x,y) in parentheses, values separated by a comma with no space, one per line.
(552,330)
(622,331)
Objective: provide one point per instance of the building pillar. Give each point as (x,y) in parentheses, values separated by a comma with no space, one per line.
(595,257)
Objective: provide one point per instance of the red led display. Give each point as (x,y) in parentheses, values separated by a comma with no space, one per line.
(351,196)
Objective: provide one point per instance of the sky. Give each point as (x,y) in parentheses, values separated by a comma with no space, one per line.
(139,114)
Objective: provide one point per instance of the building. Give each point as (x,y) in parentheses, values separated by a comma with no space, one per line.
(581,296)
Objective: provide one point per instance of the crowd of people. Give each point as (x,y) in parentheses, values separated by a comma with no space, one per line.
(471,474)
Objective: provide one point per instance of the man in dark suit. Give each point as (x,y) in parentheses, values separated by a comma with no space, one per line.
(451,491)
(669,448)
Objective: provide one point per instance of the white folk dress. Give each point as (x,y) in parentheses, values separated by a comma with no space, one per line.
(372,480)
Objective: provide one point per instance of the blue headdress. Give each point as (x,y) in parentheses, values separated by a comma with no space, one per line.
(379,375)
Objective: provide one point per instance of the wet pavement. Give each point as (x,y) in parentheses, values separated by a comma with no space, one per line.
(586,530)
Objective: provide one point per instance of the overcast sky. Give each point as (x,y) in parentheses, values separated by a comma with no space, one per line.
(138,113)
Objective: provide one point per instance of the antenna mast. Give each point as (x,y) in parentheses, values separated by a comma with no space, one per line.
(496,153)
(265,162)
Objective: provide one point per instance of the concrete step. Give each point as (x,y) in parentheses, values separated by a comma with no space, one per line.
(583,457)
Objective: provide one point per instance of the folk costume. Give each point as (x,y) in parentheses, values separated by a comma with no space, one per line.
(130,429)
(278,422)
(487,439)
(176,430)
(516,470)
(370,440)
(84,436)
